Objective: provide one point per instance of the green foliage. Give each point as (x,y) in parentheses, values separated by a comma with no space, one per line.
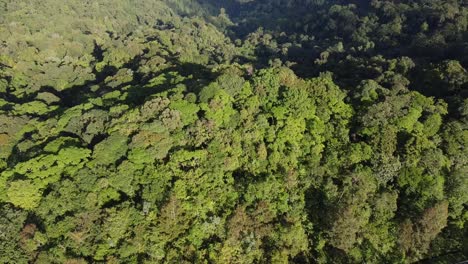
(111,149)
(24,194)
(11,223)
(236,131)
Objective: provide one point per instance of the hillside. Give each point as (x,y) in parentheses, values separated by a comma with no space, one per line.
(234,131)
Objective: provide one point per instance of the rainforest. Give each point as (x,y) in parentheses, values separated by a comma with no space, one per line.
(233,131)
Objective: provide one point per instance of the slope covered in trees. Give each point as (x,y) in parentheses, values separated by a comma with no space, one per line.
(235,131)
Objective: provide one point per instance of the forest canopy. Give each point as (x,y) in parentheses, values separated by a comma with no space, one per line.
(233,131)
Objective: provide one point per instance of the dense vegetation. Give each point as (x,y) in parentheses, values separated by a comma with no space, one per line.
(235,131)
